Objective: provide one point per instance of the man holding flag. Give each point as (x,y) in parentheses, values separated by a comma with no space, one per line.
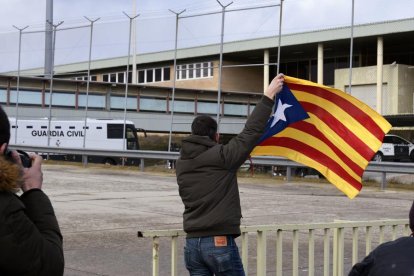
(207,179)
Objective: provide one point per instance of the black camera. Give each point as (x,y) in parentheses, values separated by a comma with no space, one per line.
(24,157)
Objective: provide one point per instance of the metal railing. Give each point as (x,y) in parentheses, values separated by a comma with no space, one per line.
(379,167)
(342,239)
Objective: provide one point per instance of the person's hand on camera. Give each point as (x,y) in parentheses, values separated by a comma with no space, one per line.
(275,86)
(33,176)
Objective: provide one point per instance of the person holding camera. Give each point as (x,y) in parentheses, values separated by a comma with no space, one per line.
(207,180)
(30,238)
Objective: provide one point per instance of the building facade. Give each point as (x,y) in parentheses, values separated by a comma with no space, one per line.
(382,76)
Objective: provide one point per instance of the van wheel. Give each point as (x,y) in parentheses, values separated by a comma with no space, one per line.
(109,161)
(412,156)
(378,157)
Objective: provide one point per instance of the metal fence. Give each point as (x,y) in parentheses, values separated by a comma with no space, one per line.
(305,247)
(379,167)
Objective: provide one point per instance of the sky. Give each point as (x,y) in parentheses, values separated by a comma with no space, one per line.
(155,24)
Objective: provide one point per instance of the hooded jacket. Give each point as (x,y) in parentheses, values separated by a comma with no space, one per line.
(207,177)
(30,238)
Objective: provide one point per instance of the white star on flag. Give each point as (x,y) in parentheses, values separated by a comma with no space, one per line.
(280,113)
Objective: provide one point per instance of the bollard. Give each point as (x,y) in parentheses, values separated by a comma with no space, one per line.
(383,180)
(141,164)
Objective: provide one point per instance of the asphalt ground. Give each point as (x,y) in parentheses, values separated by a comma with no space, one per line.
(100,210)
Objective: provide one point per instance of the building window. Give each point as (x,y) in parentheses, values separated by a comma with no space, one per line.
(183,106)
(198,70)
(118,102)
(206,107)
(206,69)
(25,97)
(94,101)
(153,104)
(195,71)
(129,77)
(112,77)
(85,78)
(158,74)
(150,75)
(61,99)
(121,77)
(118,77)
(235,109)
(184,69)
(166,74)
(141,76)
(190,71)
(154,75)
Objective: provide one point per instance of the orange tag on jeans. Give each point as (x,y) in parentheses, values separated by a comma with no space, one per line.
(220,241)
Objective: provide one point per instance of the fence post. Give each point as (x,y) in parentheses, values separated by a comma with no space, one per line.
(174,256)
(261,253)
(326,249)
(288,173)
(355,256)
(142,164)
(335,253)
(155,256)
(383,180)
(338,258)
(295,253)
(368,240)
(311,252)
(279,252)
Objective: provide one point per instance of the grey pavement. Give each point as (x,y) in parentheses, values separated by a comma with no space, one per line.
(100,210)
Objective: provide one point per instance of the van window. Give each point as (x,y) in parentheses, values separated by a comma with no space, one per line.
(114,131)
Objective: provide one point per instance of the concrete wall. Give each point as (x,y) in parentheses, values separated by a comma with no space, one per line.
(242,79)
(236,79)
(405,87)
(398,81)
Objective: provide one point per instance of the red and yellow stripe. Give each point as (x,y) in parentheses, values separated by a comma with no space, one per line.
(339,139)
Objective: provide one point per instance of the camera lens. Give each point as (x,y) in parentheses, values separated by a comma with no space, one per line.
(25,158)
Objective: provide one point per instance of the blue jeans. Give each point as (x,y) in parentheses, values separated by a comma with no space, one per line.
(202,257)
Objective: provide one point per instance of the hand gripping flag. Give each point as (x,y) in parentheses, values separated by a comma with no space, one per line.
(325,129)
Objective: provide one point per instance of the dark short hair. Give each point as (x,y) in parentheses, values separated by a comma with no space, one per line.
(204,125)
(4,127)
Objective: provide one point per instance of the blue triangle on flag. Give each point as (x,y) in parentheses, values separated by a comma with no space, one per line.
(288,110)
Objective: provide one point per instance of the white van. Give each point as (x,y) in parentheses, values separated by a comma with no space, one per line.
(395,148)
(104,134)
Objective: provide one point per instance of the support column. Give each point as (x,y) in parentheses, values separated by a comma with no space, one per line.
(266,69)
(380,62)
(320,63)
(108,98)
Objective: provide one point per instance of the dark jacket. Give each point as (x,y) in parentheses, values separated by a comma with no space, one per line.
(30,239)
(207,177)
(390,258)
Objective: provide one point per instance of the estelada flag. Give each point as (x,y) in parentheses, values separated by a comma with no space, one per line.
(325,129)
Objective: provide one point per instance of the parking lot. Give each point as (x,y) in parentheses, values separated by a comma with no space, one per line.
(100,210)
